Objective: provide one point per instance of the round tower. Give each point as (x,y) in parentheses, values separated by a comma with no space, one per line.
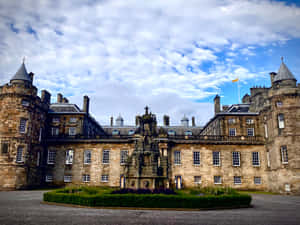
(22,119)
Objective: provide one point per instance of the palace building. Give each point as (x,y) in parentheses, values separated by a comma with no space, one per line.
(254,145)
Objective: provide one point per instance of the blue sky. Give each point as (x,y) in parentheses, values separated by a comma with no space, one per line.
(172,55)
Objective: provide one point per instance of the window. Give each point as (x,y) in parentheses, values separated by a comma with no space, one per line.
(171,132)
(266,130)
(216,158)
(279,104)
(231,121)
(38,158)
(40,134)
(68,178)
(4,148)
(235,158)
(177,158)
(105,157)
(87,157)
(232,131)
(22,127)
(19,157)
(104,178)
(249,121)
(123,157)
(49,178)
(115,132)
(188,133)
(54,131)
(257,180)
(255,159)
(196,158)
(25,102)
(197,179)
(280,121)
(86,178)
(73,120)
(250,131)
(237,180)
(284,155)
(72,131)
(51,157)
(217,180)
(55,120)
(69,157)
(268,159)
(131,132)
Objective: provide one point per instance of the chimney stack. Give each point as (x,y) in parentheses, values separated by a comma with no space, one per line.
(166,120)
(86,104)
(137,120)
(59,98)
(111,121)
(65,100)
(46,97)
(193,122)
(217,104)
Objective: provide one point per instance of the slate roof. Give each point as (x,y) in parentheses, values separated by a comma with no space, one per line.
(64,108)
(21,74)
(283,74)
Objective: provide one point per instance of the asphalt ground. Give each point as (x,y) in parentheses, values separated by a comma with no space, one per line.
(26,207)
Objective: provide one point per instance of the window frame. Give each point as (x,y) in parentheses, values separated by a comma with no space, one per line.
(220,180)
(51,155)
(72,133)
(87,157)
(236,179)
(231,121)
(67,178)
(250,132)
(56,133)
(177,158)
(123,157)
(86,178)
(105,178)
(69,157)
(197,179)
(231,129)
(216,161)
(255,162)
(25,103)
(236,159)
(255,179)
(196,158)
(284,154)
(281,121)
(20,154)
(105,156)
(249,121)
(23,126)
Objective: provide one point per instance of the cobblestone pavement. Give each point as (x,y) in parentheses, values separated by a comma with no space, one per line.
(25,207)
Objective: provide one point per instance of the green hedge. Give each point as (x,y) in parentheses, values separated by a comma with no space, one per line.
(149,201)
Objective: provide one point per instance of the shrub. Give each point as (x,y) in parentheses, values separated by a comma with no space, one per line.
(147,200)
(144,191)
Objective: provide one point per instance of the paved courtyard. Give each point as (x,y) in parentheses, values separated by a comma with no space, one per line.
(25,207)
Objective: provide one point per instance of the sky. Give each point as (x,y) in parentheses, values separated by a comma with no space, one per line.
(172,55)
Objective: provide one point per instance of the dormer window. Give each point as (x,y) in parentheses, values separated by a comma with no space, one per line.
(115,132)
(25,103)
(249,121)
(279,104)
(55,120)
(131,132)
(73,120)
(231,121)
(171,132)
(188,133)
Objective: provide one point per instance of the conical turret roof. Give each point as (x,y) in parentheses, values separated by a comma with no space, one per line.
(283,73)
(21,74)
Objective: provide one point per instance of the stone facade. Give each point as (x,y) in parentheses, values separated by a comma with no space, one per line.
(253,145)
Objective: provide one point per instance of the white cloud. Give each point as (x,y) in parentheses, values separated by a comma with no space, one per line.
(126,54)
